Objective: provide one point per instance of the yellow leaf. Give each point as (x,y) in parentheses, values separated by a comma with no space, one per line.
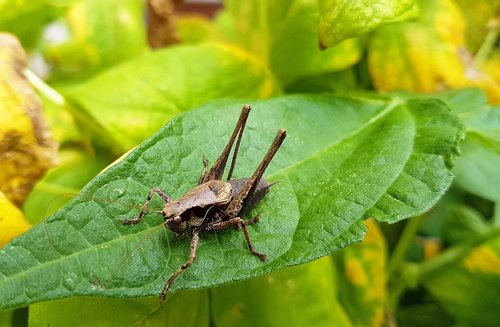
(483,259)
(26,146)
(428,55)
(363,291)
(12,221)
(492,66)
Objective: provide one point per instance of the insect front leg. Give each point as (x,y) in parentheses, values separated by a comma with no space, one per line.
(195,240)
(156,190)
(240,223)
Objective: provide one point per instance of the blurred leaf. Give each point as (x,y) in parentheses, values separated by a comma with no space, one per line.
(362,278)
(346,159)
(61,183)
(284,34)
(466,280)
(197,29)
(6,318)
(496,216)
(26,19)
(62,123)
(423,315)
(103,33)
(330,82)
(344,19)
(297,296)
(12,221)
(125,105)
(487,126)
(462,222)
(428,55)
(478,15)
(188,309)
(478,170)
(465,103)
(26,148)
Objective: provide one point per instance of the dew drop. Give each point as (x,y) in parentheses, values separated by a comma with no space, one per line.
(70,281)
(119,191)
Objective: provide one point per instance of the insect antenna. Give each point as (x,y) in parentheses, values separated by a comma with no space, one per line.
(54,205)
(236,149)
(217,169)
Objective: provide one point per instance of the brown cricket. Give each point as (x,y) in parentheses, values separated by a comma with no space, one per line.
(215,204)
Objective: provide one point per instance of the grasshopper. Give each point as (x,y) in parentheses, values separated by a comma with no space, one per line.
(214,204)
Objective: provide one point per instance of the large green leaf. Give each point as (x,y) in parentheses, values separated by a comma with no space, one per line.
(345,159)
(162,84)
(343,19)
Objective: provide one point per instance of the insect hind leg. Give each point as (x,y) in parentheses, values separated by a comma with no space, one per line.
(241,223)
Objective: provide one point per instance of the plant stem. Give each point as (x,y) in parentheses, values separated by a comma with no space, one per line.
(488,43)
(396,266)
(398,256)
(455,254)
(44,88)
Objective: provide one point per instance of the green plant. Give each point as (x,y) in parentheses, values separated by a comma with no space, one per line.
(371,143)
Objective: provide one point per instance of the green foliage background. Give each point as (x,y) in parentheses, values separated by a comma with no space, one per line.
(373,140)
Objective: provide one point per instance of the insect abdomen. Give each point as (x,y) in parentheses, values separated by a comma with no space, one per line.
(261,190)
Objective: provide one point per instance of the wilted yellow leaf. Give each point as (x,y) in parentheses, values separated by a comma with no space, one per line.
(26,147)
(12,221)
